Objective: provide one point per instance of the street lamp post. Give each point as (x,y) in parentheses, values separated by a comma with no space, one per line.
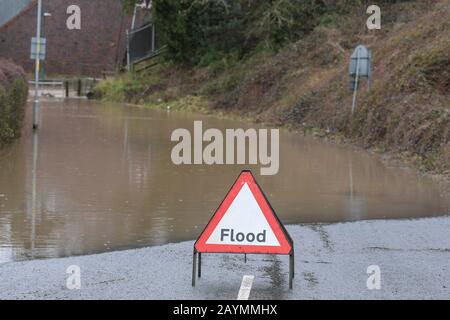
(37,62)
(44,16)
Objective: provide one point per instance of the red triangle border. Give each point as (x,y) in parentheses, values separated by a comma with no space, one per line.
(283,237)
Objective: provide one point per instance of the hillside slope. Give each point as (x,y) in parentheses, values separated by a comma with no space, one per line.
(305,85)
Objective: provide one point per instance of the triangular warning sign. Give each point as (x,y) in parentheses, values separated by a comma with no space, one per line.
(245,223)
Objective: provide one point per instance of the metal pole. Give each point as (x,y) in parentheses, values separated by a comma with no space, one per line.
(66,83)
(42,71)
(291,270)
(128,51)
(79,84)
(36,77)
(369,76)
(356,82)
(199,264)
(293,264)
(153,37)
(133,22)
(194,264)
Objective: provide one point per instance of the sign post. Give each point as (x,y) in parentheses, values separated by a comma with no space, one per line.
(37,62)
(360,67)
(244,223)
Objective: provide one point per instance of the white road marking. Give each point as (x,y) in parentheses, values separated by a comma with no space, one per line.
(246,287)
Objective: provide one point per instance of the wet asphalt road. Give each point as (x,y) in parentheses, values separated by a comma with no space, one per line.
(331,263)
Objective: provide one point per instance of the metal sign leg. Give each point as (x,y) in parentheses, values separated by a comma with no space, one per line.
(194,264)
(355,92)
(293,265)
(291,270)
(199,264)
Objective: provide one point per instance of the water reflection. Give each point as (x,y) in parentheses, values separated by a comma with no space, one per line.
(97,178)
(34,191)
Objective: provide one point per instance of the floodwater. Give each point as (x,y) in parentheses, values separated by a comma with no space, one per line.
(99,178)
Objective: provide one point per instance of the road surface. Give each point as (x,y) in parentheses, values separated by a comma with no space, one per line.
(331,263)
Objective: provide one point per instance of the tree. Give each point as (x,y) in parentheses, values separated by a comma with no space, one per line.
(195,29)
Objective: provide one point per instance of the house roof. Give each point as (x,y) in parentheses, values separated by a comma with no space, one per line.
(10,10)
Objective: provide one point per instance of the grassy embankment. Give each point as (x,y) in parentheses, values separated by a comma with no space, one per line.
(13,96)
(305,84)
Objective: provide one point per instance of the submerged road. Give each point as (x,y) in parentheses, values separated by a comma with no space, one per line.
(109,183)
(331,263)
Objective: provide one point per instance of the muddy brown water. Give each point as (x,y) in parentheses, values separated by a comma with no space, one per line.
(99,178)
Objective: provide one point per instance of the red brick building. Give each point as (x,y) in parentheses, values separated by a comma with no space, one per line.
(97,47)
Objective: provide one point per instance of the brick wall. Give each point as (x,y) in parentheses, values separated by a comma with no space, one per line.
(99,45)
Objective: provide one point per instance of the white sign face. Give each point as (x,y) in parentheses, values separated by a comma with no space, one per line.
(244,223)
